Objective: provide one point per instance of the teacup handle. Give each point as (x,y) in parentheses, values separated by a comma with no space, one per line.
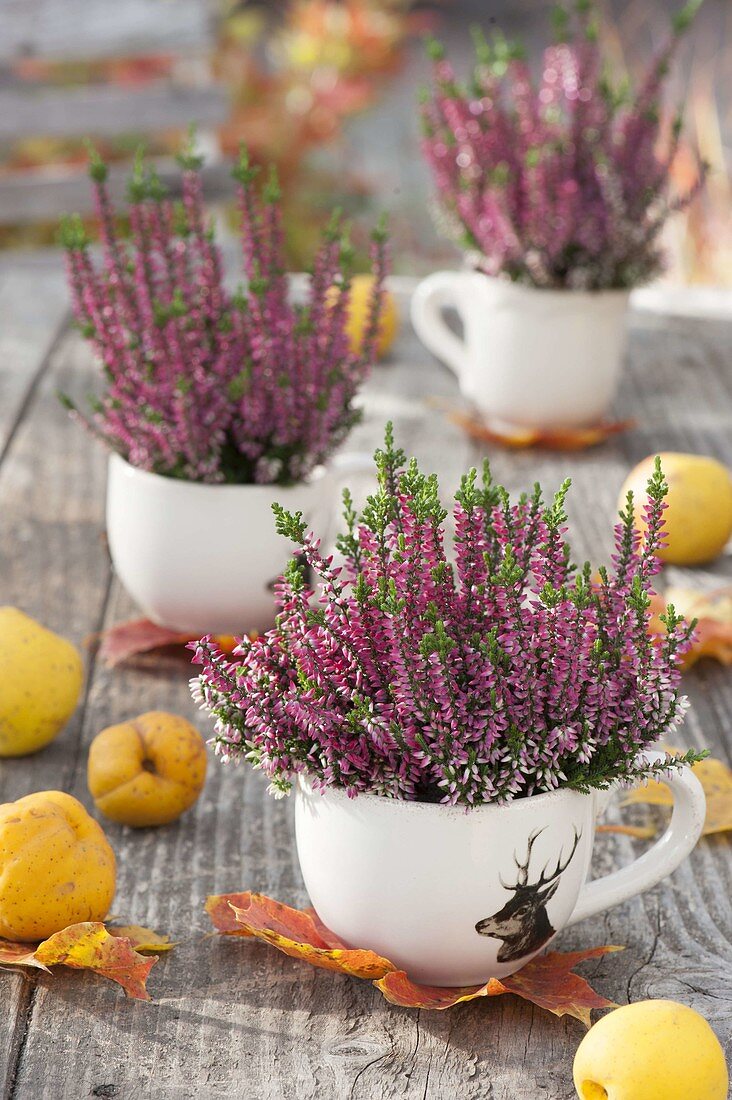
(432,296)
(687,821)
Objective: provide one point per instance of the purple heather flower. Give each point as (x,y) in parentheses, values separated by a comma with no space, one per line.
(507,673)
(203,384)
(560,181)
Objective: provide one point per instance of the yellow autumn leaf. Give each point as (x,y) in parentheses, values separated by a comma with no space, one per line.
(142,939)
(713,612)
(638,832)
(716,779)
(90,946)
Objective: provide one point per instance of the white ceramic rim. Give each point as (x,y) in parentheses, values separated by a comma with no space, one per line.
(405,805)
(179,485)
(473,260)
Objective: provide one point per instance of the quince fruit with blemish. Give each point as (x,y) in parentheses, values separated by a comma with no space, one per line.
(698,515)
(148,770)
(651,1050)
(56,867)
(41,676)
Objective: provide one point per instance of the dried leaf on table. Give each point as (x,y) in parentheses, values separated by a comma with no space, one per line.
(142,939)
(86,946)
(220,909)
(297,933)
(90,946)
(558,439)
(639,832)
(18,954)
(547,981)
(716,779)
(713,612)
(131,639)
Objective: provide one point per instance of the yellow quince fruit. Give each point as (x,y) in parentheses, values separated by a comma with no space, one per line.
(56,867)
(698,515)
(357,317)
(651,1050)
(148,770)
(41,676)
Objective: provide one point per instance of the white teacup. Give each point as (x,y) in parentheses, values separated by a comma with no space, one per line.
(530,358)
(456,896)
(204,559)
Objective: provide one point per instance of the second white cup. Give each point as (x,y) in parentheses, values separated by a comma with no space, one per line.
(528,358)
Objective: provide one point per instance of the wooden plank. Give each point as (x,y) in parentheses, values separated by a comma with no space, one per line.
(234,1019)
(45,196)
(107,110)
(54,566)
(32,308)
(66,29)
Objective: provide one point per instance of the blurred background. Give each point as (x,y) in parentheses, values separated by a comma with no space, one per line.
(327,90)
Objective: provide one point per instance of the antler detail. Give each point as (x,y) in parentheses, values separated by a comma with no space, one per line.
(544,879)
(523,868)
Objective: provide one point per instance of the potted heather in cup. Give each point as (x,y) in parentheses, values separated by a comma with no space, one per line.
(450,716)
(558,188)
(213,398)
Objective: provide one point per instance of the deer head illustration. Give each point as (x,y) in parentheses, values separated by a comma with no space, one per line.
(522,923)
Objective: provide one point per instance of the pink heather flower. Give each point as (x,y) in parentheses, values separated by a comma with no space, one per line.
(560,181)
(203,384)
(507,673)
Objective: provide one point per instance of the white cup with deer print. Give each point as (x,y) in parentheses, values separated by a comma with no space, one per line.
(455,897)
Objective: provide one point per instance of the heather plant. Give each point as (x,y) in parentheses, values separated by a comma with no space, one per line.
(561,181)
(204,384)
(484,673)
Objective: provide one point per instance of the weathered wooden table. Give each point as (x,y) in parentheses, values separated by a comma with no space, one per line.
(233,1018)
